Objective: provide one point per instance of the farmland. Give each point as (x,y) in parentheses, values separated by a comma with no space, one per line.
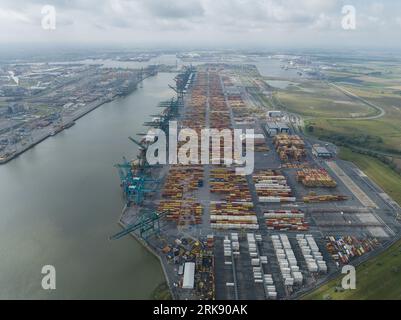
(317,99)
(330,113)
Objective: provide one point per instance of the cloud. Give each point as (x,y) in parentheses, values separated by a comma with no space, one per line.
(198,21)
(174,9)
(13,16)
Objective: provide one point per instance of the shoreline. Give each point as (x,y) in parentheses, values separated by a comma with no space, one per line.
(146,245)
(70,123)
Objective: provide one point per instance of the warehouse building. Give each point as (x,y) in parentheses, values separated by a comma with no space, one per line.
(189,275)
(274,128)
(321,152)
(274,114)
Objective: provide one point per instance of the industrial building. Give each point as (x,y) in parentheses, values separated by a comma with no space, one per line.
(321,152)
(189,275)
(274,114)
(274,128)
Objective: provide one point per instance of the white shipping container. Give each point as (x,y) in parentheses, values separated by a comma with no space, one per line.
(281,256)
(285,270)
(255,262)
(312,267)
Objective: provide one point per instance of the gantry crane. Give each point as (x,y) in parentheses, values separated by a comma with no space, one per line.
(135,184)
(182,81)
(147,223)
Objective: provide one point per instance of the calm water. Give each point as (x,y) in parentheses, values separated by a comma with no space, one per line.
(281,84)
(272,68)
(167,59)
(59,203)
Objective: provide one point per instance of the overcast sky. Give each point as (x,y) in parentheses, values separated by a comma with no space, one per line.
(233,23)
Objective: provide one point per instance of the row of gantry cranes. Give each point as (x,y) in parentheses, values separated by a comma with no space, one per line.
(136,176)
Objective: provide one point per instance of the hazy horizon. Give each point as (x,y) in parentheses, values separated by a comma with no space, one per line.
(185,24)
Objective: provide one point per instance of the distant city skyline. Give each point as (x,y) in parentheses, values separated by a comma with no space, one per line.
(197,23)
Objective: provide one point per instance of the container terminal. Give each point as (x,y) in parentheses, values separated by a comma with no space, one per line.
(71,92)
(274,234)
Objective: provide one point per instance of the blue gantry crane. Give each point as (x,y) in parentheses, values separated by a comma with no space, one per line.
(135,185)
(147,223)
(138,187)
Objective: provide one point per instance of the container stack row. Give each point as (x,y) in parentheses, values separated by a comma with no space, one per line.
(286,259)
(272,187)
(226,215)
(324,198)
(270,287)
(257,263)
(227,247)
(237,209)
(289,147)
(288,220)
(234,187)
(311,253)
(315,178)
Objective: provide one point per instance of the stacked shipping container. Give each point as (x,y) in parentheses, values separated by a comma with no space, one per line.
(289,220)
(315,178)
(271,186)
(312,255)
(289,147)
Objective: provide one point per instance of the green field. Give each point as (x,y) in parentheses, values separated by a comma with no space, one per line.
(377,82)
(319,100)
(379,134)
(380,277)
(380,173)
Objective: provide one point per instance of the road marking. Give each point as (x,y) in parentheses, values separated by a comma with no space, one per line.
(351,185)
